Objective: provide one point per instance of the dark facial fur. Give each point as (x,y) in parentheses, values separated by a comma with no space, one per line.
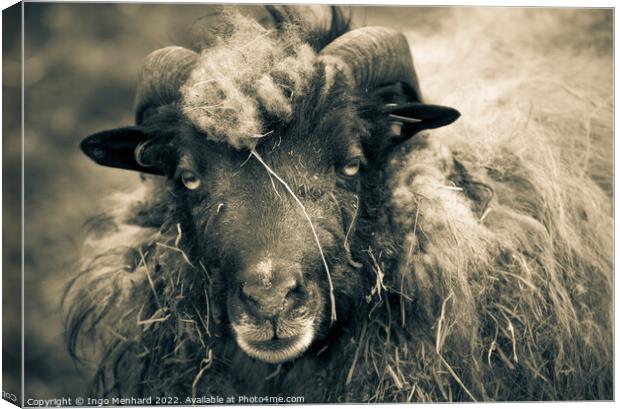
(242,222)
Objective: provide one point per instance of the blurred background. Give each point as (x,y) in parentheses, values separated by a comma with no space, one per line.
(81,66)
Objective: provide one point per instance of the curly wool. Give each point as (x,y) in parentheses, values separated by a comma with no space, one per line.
(250,73)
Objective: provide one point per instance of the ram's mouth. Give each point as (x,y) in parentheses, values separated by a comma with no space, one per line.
(276,350)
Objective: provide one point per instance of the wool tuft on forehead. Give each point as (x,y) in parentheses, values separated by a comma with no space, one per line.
(249,73)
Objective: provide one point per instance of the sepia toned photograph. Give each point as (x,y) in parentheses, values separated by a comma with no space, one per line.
(303,204)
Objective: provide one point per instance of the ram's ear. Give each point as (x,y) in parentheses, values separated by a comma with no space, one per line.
(124,148)
(408,119)
(406,112)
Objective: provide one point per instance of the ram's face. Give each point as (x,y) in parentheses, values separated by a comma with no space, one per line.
(266,152)
(276,224)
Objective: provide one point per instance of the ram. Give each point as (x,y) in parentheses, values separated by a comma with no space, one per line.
(299,232)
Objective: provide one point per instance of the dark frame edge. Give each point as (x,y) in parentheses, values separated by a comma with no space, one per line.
(12,157)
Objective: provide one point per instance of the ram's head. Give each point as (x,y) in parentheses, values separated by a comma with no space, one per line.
(267,140)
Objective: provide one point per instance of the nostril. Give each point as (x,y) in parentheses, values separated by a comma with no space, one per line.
(296,291)
(295,296)
(247,298)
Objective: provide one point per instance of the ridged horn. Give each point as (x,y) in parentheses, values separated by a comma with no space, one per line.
(373,56)
(163,73)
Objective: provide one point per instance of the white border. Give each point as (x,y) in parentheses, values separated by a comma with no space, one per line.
(539,3)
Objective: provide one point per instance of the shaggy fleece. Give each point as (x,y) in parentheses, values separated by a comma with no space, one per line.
(515,295)
(492,262)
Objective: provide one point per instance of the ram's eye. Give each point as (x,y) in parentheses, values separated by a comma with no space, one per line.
(352,167)
(190,180)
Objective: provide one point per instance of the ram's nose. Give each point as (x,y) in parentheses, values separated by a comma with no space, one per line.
(272,289)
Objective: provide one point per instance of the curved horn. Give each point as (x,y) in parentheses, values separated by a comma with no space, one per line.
(372,56)
(163,73)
